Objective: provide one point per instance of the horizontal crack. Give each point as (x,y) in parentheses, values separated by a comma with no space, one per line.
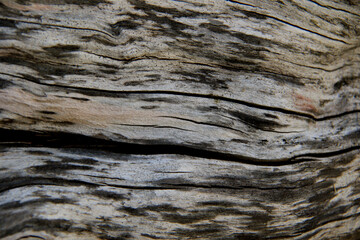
(334,8)
(215,186)
(294,25)
(114,93)
(18,182)
(20,138)
(326,154)
(241,3)
(55,25)
(152,126)
(203,123)
(141,187)
(30,237)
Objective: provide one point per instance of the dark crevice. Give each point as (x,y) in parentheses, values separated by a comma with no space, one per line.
(54,25)
(133,59)
(264,72)
(319,68)
(241,3)
(325,154)
(103,177)
(319,227)
(334,8)
(154,126)
(293,25)
(143,187)
(30,237)
(18,182)
(203,123)
(255,105)
(19,138)
(219,186)
(185,186)
(113,93)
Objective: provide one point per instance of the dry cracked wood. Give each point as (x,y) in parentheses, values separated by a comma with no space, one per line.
(196,119)
(89,194)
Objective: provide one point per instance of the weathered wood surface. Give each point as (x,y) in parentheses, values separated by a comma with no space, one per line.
(84,194)
(179,119)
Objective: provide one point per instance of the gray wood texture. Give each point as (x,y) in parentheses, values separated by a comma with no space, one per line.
(134,119)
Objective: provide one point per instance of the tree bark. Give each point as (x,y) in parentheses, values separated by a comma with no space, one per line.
(133,119)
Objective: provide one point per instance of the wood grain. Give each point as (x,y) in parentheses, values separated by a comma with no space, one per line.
(134,119)
(89,194)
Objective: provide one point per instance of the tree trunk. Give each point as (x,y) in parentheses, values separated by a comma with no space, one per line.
(133,119)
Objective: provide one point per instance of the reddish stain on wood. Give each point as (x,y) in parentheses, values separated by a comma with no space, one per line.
(304,103)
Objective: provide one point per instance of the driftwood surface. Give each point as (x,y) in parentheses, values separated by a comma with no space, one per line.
(159,119)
